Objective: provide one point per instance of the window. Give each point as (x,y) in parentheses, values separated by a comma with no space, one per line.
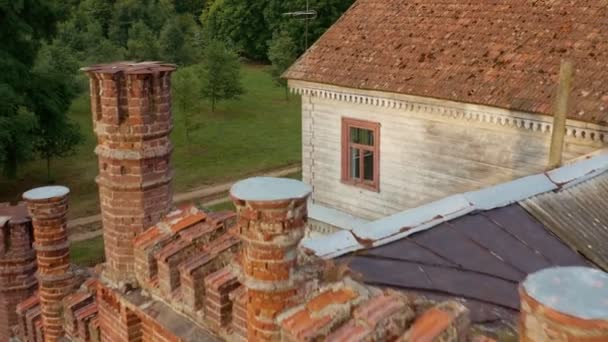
(361,153)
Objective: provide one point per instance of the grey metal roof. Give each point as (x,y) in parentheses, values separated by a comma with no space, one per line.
(478,257)
(578,215)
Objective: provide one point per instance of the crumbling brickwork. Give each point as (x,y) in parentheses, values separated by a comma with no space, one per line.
(17,264)
(271,228)
(48,208)
(131,105)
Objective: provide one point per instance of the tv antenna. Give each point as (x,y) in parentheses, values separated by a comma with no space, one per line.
(306,16)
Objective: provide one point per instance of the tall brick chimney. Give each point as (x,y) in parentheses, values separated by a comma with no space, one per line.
(17,264)
(131,106)
(48,208)
(271,216)
(564,304)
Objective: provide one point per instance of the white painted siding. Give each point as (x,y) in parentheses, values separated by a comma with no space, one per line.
(423,156)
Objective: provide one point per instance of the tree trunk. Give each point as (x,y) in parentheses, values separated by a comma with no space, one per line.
(212,103)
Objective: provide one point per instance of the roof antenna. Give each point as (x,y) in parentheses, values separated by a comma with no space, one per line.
(306,15)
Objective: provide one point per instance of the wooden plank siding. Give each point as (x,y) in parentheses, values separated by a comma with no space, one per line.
(424,156)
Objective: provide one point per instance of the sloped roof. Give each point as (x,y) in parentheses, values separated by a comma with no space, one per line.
(578,215)
(479,257)
(503,53)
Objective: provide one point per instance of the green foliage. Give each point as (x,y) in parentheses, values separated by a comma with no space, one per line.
(55,135)
(186,90)
(250,24)
(23,26)
(178,40)
(220,73)
(241,23)
(281,53)
(142,43)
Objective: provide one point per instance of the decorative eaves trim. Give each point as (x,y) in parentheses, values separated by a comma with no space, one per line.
(403,224)
(450,109)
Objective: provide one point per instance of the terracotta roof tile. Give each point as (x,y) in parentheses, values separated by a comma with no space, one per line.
(503,53)
(332,297)
(430,325)
(351,331)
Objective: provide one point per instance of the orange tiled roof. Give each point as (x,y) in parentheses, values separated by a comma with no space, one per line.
(503,53)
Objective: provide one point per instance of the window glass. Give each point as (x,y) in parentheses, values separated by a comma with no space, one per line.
(368,165)
(361,136)
(354,162)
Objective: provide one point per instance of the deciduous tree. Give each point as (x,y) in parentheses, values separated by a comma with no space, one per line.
(281,53)
(220,73)
(186,94)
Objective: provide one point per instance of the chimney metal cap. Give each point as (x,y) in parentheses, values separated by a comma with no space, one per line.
(45,193)
(577,291)
(269,189)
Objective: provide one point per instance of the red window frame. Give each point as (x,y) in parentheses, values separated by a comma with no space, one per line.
(347,124)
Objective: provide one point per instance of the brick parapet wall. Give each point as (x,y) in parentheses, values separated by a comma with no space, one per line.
(48,208)
(17,265)
(131,107)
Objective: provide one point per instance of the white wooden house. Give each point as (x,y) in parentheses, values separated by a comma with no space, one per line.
(407,102)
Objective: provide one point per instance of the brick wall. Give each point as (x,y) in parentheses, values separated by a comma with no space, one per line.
(131,105)
(17,265)
(48,208)
(271,221)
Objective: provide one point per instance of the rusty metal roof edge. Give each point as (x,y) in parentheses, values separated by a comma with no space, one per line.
(400,225)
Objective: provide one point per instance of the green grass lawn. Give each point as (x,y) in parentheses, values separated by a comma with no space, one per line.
(257,132)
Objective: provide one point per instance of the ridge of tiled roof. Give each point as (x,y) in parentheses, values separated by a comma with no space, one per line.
(502,53)
(400,225)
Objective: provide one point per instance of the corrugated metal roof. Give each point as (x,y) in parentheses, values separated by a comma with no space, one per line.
(578,215)
(412,221)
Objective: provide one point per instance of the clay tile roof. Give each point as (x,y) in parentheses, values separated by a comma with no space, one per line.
(503,53)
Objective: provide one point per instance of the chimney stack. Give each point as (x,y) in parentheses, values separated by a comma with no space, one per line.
(48,208)
(131,107)
(271,217)
(564,304)
(17,264)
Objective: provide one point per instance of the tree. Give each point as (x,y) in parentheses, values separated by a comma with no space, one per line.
(177,40)
(220,73)
(186,92)
(23,26)
(142,43)
(55,135)
(281,53)
(240,22)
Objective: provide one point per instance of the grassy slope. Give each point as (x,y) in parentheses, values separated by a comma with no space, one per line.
(259,131)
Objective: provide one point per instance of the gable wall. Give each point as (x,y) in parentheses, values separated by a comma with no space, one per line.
(429,148)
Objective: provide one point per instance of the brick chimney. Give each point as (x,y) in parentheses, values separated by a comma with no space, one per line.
(17,264)
(131,106)
(271,217)
(48,208)
(564,304)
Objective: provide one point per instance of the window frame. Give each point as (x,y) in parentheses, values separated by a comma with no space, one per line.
(347,124)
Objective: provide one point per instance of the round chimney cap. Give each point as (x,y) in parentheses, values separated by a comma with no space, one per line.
(46,192)
(269,189)
(577,291)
